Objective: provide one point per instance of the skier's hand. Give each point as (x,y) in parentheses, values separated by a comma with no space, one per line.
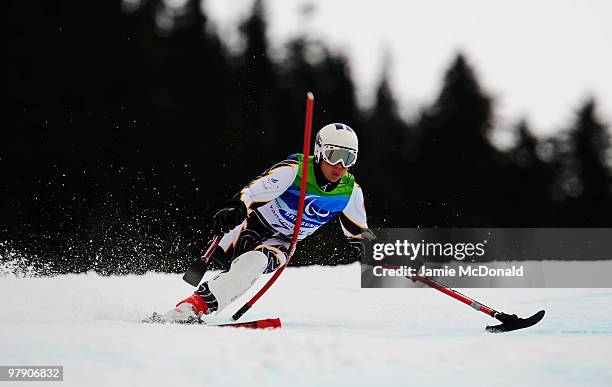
(229,217)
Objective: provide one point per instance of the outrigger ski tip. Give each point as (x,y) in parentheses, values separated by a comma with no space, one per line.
(513,322)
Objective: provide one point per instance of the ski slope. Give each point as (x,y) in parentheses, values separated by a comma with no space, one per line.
(334,333)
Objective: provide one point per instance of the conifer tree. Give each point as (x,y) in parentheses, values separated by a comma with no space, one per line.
(456,166)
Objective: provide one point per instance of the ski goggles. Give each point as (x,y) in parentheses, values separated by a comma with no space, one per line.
(334,154)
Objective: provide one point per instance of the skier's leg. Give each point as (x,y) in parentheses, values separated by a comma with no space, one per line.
(193,306)
(252,236)
(220,291)
(242,238)
(225,287)
(276,251)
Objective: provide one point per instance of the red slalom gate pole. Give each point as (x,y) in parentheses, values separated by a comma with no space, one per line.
(300,211)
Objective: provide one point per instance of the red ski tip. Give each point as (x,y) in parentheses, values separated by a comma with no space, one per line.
(268,323)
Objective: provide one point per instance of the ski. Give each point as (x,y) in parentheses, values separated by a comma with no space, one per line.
(267,323)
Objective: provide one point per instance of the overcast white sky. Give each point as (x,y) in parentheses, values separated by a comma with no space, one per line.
(538,58)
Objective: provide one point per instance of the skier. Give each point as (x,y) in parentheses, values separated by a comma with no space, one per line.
(257,224)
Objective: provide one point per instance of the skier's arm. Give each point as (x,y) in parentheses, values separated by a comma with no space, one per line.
(269,185)
(353,219)
(266,187)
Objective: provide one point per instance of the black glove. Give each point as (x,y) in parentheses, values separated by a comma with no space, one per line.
(229,217)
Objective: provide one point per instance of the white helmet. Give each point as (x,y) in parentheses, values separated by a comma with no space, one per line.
(336,143)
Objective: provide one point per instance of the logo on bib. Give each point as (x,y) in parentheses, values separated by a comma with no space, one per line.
(311,210)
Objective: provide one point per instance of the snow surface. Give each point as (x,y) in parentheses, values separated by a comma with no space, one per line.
(334,333)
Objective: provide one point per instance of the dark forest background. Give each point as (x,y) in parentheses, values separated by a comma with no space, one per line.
(128,126)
